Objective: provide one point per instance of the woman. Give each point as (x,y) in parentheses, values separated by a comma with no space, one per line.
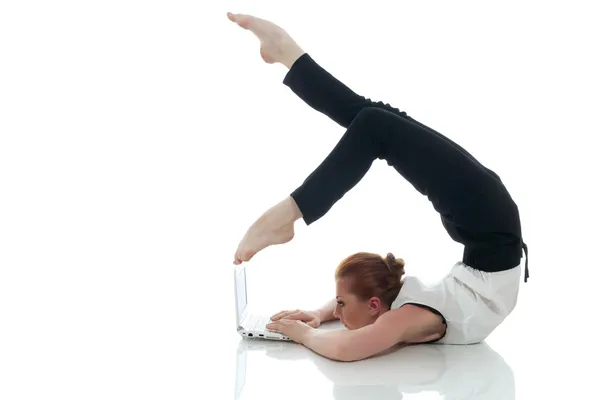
(380,310)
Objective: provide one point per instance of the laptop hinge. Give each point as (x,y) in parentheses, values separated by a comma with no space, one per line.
(244,318)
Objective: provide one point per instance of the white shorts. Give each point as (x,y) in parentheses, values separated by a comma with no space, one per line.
(479,302)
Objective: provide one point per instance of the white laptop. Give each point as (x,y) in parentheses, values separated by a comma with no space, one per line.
(248,325)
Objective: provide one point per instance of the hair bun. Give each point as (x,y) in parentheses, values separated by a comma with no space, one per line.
(394,264)
(390,261)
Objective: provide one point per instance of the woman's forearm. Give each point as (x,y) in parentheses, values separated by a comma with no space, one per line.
(326,343)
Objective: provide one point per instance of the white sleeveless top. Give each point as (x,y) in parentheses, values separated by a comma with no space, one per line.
(472,302)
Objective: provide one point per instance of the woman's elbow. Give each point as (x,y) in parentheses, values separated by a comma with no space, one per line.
(342,358)
(339,353)
(349,357)
(349,354)
(358,353)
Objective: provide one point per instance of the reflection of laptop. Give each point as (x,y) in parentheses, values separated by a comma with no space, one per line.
(248,325)
(240,373)
(244,347)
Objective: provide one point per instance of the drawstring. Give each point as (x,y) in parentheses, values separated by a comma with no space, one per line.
(526,261)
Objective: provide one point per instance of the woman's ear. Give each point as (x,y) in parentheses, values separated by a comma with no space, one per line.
(375,305)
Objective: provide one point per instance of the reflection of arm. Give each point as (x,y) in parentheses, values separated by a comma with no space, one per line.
(412,368)
(402,325)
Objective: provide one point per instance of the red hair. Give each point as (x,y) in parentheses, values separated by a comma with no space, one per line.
(371,275)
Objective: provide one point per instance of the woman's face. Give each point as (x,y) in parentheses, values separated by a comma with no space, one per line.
(352,312)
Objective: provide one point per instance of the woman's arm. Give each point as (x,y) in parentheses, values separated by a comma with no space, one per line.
(357,344)
(407,324)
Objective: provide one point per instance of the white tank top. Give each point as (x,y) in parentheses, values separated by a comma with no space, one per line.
(472,302)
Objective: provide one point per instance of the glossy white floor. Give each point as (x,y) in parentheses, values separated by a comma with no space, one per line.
(139,140)
(530,356)
(431,371)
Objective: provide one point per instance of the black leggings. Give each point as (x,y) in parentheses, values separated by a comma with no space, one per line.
(475,206)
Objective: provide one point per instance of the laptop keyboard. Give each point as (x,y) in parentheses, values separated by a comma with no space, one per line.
(259,324)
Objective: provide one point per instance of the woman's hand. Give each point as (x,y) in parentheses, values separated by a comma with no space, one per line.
(311,318)
(296,330)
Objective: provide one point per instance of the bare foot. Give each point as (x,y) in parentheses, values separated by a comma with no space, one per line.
(276,45)
(275,226)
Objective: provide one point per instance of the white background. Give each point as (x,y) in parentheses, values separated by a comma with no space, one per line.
(140,139)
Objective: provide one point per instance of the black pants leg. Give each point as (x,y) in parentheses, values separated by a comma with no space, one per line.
(324,93)
(475,207)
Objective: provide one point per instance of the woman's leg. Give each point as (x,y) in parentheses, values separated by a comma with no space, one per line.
(490,229)
(326,94)
(430,150)
(475,207)
(452,181)
(469,197)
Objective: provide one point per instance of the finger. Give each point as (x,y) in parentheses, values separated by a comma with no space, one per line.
(274,326)
(284,314)
(279,325)
(294,315)
(278,315)
(312,323)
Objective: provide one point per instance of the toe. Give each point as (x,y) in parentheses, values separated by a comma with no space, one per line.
(242,20)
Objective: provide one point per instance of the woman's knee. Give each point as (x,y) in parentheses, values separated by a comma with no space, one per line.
(369,114)
(374,122)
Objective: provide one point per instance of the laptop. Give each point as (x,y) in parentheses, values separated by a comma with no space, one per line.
(250,326)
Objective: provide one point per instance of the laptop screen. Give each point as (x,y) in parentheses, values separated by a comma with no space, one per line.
(240,290)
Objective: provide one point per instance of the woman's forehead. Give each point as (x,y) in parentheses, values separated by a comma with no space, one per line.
(341,286)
